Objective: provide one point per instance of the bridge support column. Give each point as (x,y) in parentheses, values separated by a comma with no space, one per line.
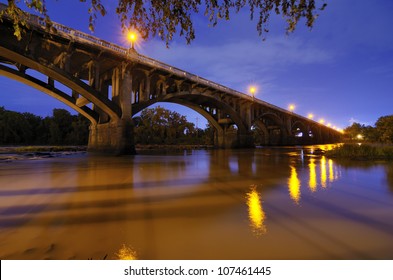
(245,140)
(229,140)
(117,135)
(112,138)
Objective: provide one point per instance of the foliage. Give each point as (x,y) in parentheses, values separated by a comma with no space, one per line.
(167,18)
(354,130)
(161,126)
(361,152)
(381,132)
(26,128)
(384,129)
(153,126)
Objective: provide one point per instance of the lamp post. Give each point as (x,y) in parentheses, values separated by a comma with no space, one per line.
(252,91)
(132,37)
(291,108)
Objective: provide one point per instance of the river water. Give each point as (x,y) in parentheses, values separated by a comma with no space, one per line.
(267,203)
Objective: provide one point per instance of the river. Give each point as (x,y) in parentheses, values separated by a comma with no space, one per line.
(266,203)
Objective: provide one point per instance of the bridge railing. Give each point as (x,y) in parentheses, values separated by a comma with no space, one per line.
(75,34)
(62,30)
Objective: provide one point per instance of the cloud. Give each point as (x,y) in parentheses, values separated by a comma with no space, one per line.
(354,120)
(242,62)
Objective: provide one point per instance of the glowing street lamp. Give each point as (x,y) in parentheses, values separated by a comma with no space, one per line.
(310,116)
(253,91)
(321,121)
(291,107)
(132,37)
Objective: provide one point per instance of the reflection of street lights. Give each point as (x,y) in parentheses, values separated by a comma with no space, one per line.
(132,37)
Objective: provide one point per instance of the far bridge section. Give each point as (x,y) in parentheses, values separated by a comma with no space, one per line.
(109,84)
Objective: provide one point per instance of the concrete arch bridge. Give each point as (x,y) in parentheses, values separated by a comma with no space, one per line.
(108,84)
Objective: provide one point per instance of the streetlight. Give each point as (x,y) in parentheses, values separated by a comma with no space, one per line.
(252,91)
(291,107)
(132,37)
(310,116)
(321,121)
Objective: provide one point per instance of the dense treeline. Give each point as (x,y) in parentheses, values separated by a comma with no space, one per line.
(153,126)
(161,126)
(381,132)
(61,128)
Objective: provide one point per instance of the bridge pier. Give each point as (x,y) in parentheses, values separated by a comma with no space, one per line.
(230,140)
(245,141)
(112,138)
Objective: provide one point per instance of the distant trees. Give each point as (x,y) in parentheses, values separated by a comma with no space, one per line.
(384,129)
(161,126)
(381,132)
(154,126)
(61,128)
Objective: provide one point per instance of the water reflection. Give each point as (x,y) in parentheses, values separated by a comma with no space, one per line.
(255,211)
(177,206)
(312,183)
(294,186)
(320,172)
(126,253)
(323,172)
(389,176)
(331,172)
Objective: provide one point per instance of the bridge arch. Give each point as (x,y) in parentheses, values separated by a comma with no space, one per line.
(63,77)
(261,134)
(49,90)
(299,132)
(90,66)
(274,127)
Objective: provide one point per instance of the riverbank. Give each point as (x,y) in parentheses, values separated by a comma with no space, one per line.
(179,147)
(32,149)
(12,153)
(362,152)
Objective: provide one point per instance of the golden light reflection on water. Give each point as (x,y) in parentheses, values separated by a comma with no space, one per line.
(331,172)
(294,186)
(126,253)
(312,183)
(323,172)
(255,211)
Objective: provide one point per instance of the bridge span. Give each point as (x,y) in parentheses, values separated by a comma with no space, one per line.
(109,84)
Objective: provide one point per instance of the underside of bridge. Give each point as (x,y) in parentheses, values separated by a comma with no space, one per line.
(109,84)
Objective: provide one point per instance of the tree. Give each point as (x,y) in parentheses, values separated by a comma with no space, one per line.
(167,18)
(354,130)
(26,128)
(370,133)
(384,128)
(79,134)
(161,126)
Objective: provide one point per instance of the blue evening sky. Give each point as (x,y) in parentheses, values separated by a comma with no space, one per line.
(340,70)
